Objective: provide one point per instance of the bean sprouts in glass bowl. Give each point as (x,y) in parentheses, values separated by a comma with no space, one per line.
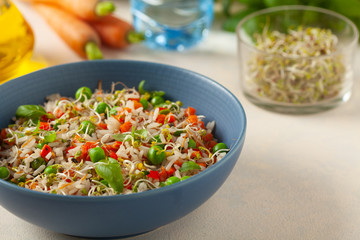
(296,59)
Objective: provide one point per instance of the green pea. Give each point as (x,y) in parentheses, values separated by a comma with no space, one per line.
(40,145)
(4,173)
(156,139)
(192,143)
(96,154)
(50,169)
(178,132)
(36,163)
(156,100)
(179,103)
(165,111)
(172,180)
(156,155)
(22,178)
(184,178)
(219,146)
(102,108)
(50,137)
(144,102)
(82,93)
(87,127)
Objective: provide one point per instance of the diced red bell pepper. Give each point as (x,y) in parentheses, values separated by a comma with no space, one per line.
(171,171)
(113,155)
(161,118)
(163,174)
(69,148)
(46,149)
(208,137)
(153,174)
(128,186)
(170,118)
(85,150)
(3,134)
(45,126)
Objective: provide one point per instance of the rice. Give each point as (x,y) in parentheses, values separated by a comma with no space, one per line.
(128,133)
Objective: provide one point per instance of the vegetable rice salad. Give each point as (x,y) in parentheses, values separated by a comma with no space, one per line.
(106,143)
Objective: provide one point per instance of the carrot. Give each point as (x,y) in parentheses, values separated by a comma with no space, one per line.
(32,185)
(84,9)
(192,119)
(190,111)
(137,104)
(203,164)
(178,162)
(115,32)
(202,125)
(102,125)
(77,34)
(125,127)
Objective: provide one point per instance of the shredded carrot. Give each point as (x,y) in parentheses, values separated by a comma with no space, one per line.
(62,131)
(83,178)
(183,143)
(202,164)
(65,185)
(27,142)
(33,185)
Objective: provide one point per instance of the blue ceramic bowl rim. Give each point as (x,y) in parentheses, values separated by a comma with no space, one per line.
(237,144)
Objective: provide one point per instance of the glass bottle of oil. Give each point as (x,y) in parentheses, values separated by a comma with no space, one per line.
(16,40)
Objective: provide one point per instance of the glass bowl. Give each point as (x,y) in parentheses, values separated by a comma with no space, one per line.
(296,59)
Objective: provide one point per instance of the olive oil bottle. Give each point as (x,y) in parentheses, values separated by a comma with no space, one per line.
(16,40)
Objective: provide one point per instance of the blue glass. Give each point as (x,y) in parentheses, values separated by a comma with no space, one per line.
(173,24)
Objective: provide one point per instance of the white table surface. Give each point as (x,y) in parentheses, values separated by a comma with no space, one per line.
(298,177)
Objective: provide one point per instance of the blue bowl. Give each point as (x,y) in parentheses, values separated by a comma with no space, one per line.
(124,215)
